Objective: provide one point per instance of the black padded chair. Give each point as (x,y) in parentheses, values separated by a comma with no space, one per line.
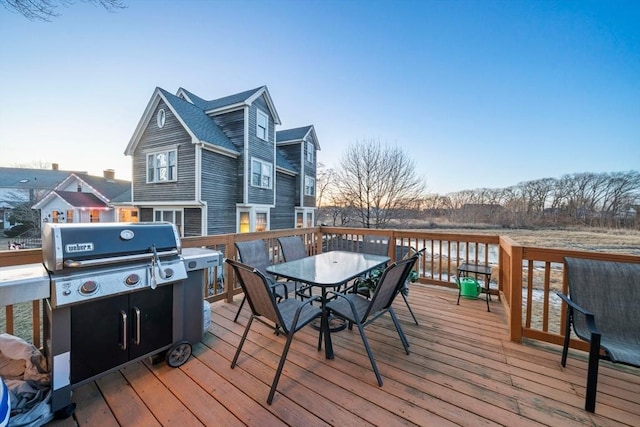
(288,316)
(254,253)
(375,245)
(359,310)
(603,308)
(293,249)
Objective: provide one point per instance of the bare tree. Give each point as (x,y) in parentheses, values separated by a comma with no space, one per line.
(377,181)
(45,10)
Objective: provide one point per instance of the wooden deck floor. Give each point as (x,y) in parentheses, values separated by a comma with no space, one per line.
(462,370)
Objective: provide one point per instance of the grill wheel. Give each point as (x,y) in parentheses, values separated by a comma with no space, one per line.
(178,354)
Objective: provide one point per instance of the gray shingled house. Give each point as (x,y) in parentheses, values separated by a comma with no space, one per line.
(219,166)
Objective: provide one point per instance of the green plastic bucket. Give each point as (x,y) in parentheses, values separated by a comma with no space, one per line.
(469,287)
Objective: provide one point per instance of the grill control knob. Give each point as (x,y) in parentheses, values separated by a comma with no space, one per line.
(88,287)
(168,272)
(132,279)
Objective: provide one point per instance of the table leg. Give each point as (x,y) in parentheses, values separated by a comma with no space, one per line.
(324,326)
(459,287)
(486,290)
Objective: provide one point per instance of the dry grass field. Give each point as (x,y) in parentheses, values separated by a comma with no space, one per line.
(585,239)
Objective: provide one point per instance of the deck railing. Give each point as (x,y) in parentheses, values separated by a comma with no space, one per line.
(524,278)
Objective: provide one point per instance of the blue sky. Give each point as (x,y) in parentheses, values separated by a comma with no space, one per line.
(479,93)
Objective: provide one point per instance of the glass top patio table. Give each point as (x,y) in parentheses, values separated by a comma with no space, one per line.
(328,270)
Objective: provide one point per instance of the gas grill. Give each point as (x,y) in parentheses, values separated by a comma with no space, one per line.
(119,292)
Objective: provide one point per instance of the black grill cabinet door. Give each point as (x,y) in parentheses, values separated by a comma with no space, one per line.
(97,337)
(153,308)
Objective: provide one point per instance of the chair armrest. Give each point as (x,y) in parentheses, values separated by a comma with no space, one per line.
(296,316)
(590,318)
(341,295)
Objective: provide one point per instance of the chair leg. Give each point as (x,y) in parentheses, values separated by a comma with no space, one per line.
(244,336)
(567,334)
(369,353)
(235,319)
(592,373)
(409,307)
(283,359)
(403,337)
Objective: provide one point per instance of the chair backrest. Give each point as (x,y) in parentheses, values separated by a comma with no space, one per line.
(292,248)
(257,291)
(254,253)
(611,291)
(375,245)
(389,285)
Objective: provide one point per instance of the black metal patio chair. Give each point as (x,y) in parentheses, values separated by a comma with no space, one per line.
(289,315)
(293,249)
(375,245)
(604,309)
(254,253)
(359,310)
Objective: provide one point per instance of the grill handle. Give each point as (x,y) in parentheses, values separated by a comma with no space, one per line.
(136,310)
(118,259)
(123,317)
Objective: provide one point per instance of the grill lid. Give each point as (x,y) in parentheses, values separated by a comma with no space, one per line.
(66,245)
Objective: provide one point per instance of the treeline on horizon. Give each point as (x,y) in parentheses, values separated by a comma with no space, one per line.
(593,199)
(581,199)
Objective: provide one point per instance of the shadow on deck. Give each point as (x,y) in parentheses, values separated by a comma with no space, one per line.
(462,370)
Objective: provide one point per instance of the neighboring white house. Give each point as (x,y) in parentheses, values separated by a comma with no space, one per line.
(85,198)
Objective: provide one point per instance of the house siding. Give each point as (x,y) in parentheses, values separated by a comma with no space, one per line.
(157,139)
(309,170)
(283,215)
(192,222)
(263,150)
(232,124)
(292,153)
(219,184)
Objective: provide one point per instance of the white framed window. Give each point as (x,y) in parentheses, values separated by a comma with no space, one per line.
(162,166)
(310,151)
(261,173)
(262,221)
(244,222)
(253,219)
(304,217)
(262,125)
(173,216)
(309,186)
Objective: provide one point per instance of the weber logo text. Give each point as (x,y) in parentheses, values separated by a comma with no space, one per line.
(79,247)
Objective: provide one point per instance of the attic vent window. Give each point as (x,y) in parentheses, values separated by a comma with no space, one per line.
(161,117)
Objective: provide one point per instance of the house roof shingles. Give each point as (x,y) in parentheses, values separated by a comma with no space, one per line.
(24,178)
(225,101)
(295,134)
(109,188)
(203,127)
(78,199)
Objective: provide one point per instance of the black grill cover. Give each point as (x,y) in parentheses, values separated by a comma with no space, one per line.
(85,241)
